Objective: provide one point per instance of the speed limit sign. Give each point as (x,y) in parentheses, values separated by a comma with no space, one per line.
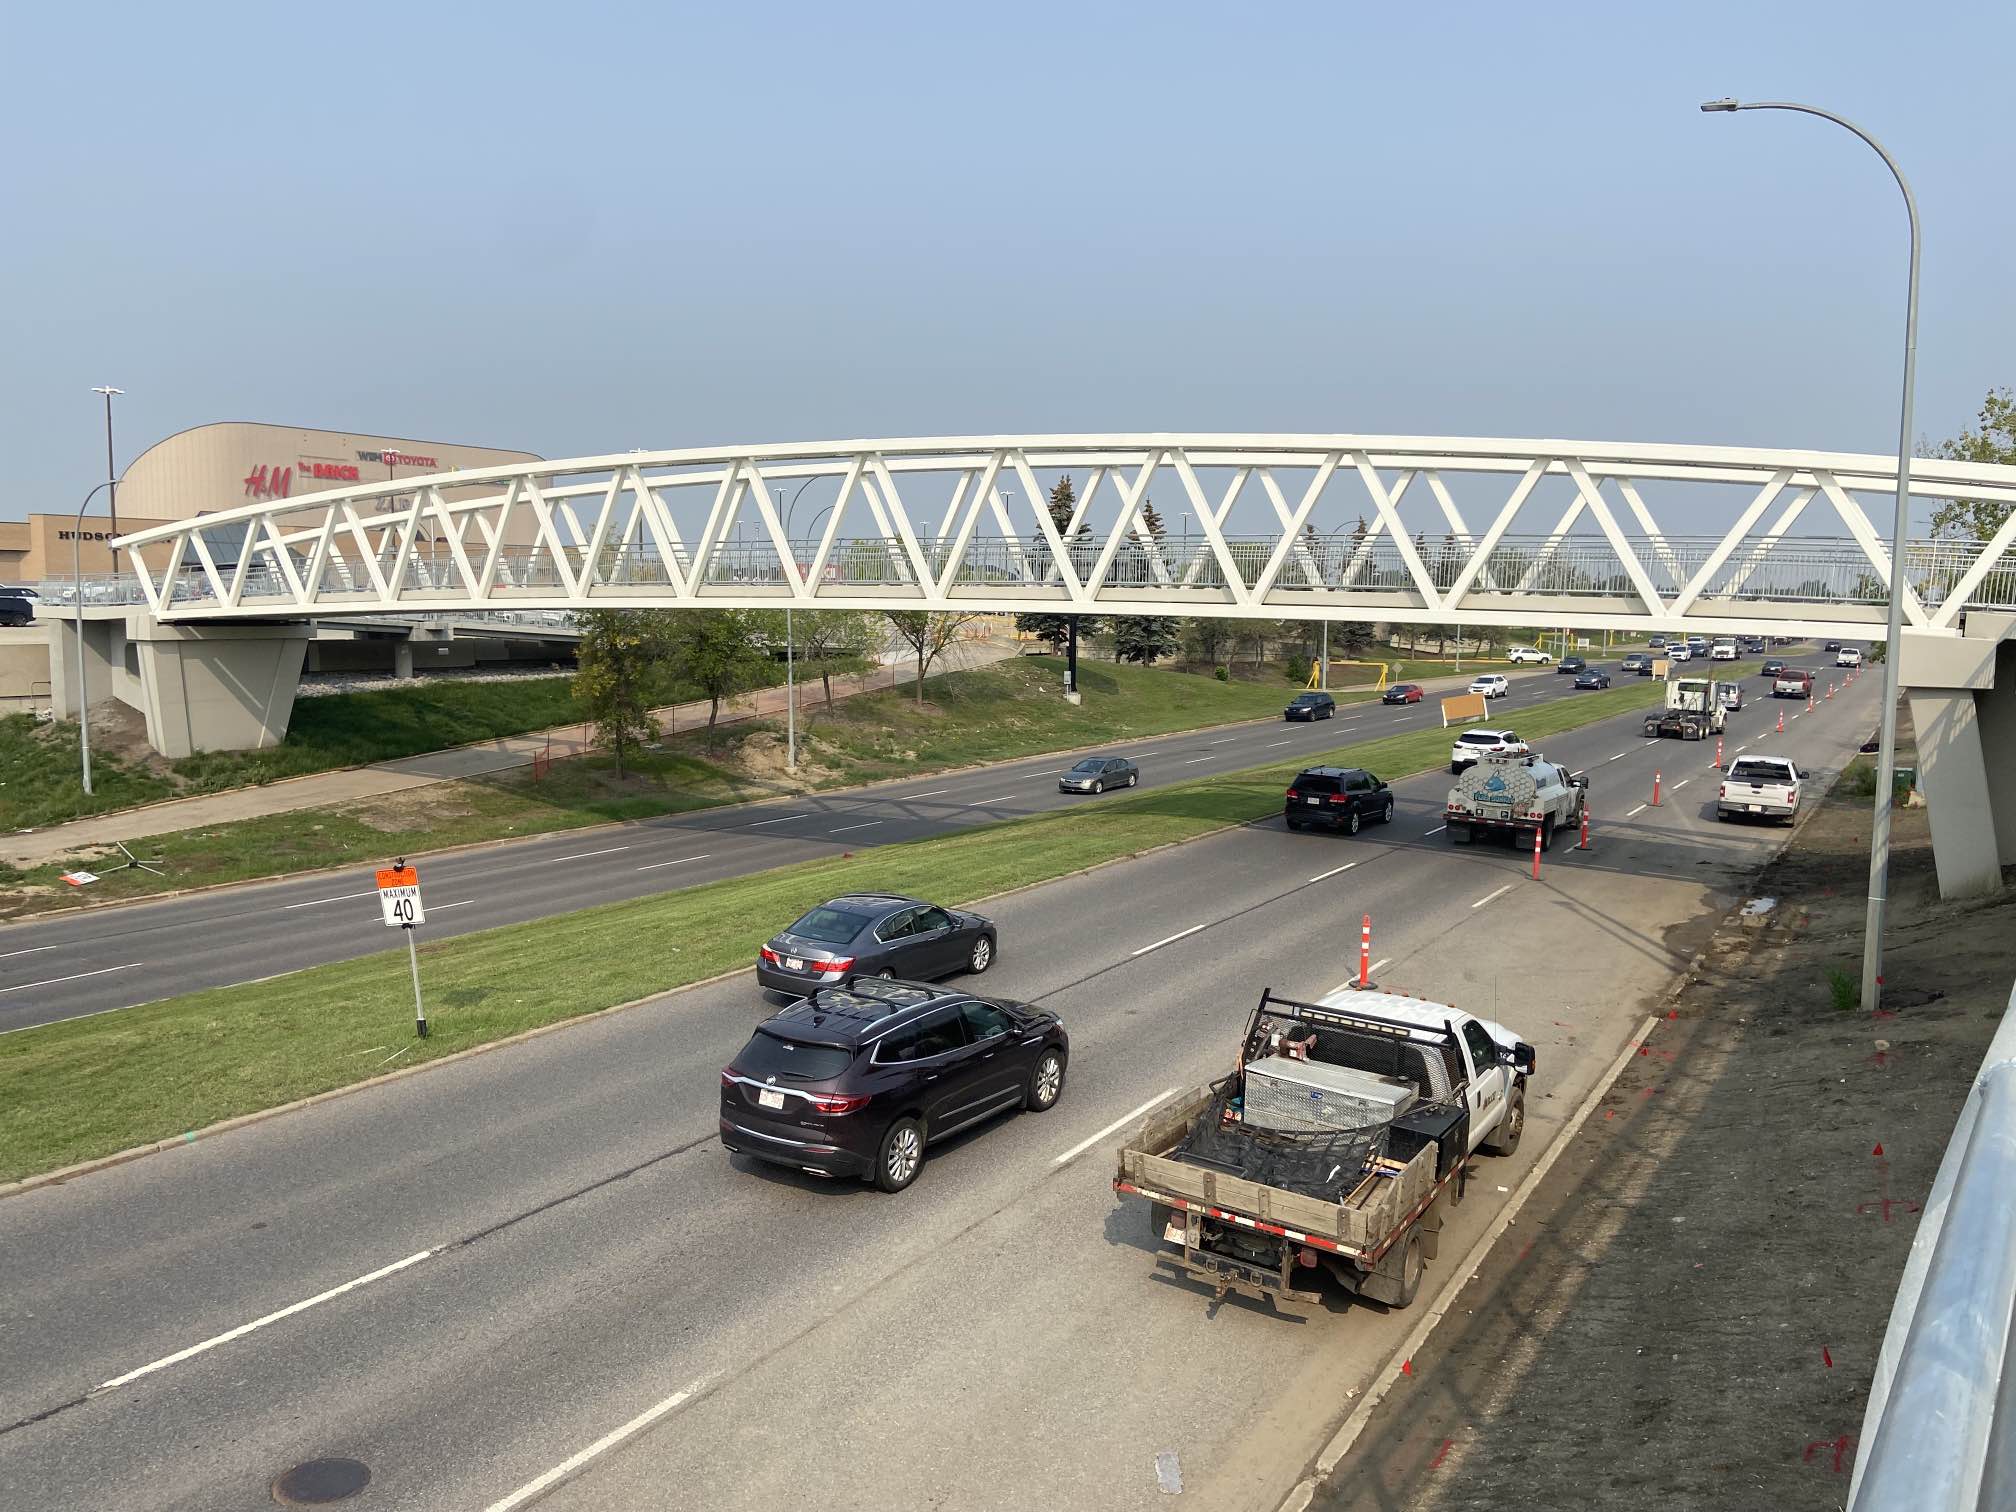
(399,896)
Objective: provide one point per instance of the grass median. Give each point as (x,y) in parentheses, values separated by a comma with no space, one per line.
(72,1091)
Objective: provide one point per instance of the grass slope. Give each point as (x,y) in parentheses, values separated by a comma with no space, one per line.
(93,1086)
(988,714)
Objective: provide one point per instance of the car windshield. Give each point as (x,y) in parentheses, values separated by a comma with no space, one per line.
(829,926)
(1091,764)
(770,1055)
(1758,771)
(1309,698)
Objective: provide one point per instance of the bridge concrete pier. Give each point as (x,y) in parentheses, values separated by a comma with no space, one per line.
(199,687)
(1962,692)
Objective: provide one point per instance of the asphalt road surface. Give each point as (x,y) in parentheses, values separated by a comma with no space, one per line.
(65,965)
(535,1275)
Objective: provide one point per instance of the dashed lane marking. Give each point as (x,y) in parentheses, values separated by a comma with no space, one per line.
(609,850)
(681,861)
(1320,876)
(101,971)
(870,824)
(8,955)
(1114,1127)
(1172,939)
(538,1485)
(1489,896)
(1636,812)
(339,898)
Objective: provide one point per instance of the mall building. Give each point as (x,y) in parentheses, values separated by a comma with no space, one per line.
(216,467)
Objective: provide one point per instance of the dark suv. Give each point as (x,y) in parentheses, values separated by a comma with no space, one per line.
(1310,706)
(1338,798)
(17,606)
(857,1079)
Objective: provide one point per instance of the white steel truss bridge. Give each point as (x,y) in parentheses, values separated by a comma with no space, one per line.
(1433,530)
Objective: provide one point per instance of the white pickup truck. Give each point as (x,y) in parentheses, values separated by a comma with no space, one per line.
(1331,1149)
(1760,786)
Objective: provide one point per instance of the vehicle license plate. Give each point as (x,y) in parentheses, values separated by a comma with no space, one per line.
(1175,1231)
(769,1099)
(1756,808)
(794,963)
(1313,802)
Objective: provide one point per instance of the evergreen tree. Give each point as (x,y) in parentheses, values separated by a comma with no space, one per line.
(1144,638)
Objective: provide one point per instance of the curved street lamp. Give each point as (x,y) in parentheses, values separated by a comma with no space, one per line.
(1886,757)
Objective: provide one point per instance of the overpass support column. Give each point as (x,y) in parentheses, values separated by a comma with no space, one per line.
(402,657)
(1964,718)
(217,687)
(101,658)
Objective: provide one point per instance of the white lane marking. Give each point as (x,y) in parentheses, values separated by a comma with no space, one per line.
(71,1019)
(1681,783)
(584,855)
(1435,831)
(78,977)
(1171,939)
(257,1323)
(444,907)
(1489,896)
(1636,812)
(1795,716)
(539,1484)
(1119,1123)
(780,819)
(934,793)
(339,898)
(680,862)
(1226,741)
(1279,743)
(1742,748)
(984,802)
(1618,757)
(8,955)
(1373,969)
(1195,759)
(1333,871)
(870,824)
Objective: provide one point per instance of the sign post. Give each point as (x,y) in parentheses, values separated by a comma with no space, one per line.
(399,898)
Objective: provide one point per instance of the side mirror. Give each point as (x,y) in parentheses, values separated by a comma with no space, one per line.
(1520,1058)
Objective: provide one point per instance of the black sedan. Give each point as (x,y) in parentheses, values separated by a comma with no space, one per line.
(1311,706)
(857,1080)
(1095,774)
(1773,666)
(1593,678)
(1573,664)
(875,934)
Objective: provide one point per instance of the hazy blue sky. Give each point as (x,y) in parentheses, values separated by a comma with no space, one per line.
(588,228)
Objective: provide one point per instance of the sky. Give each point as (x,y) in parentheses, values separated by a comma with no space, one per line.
(591,228)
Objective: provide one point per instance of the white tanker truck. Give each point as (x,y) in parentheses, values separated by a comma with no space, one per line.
(1515,795)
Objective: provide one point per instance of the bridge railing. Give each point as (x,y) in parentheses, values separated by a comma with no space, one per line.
(1939,1434)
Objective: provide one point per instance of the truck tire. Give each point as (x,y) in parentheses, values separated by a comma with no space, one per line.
(1411,1266)
(1504,1140)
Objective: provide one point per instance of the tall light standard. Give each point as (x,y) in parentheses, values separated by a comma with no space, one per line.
(111,472)
(77,624)
(1886,755)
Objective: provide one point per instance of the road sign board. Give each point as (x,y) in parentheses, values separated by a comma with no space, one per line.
(399,896)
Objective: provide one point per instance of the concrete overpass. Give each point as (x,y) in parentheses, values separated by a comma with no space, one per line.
(1456,531)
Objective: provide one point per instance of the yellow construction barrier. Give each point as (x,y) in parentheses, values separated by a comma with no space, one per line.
(1316,673)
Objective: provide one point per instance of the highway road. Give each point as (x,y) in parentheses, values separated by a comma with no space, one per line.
(535,1276)
(65,965)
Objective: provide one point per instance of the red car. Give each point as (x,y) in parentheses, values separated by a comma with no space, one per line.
(1402,693)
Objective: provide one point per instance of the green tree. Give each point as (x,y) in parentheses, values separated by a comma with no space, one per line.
(1152,520)
(718,651)
(620,672)
(842,640)
(1994,440)
(1144,638)
(1054,630)
(1206,639)
(927,633)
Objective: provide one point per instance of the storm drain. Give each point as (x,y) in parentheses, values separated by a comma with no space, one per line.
(316,1481)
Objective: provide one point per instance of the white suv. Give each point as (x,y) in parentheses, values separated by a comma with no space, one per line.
(1526,654)
(1491,685)
(1678,653)
(1722,651)
(1473,746)
(1848,656)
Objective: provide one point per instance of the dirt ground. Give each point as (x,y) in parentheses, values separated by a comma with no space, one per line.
(1687,1312)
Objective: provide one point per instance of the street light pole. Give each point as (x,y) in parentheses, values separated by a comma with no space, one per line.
(111,472)
(77,625)
(1886,755)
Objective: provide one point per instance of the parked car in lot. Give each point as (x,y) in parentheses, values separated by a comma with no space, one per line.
(1773,666)
(1637,662)
(1571,664)
(1095,774)
(1766,786)
(1473,746)
(1402,693)
(874,934)
(1310,706)
(859,1079)
(1528,654)
(1595,677)
(1491,685)
(1848,656)
(1339,798)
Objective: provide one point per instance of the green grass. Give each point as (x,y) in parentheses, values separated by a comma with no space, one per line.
(71,1091)
(989,714)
